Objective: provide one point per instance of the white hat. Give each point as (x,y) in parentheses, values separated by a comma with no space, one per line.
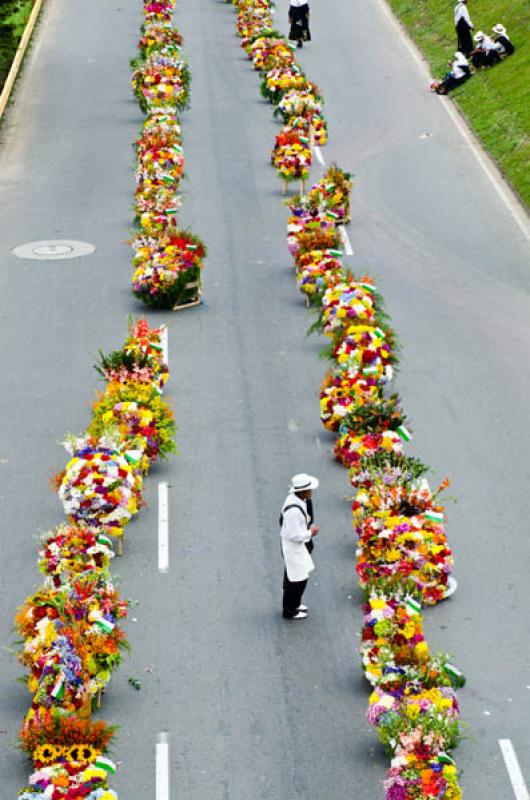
(478,37)
(302,482)
(500,29)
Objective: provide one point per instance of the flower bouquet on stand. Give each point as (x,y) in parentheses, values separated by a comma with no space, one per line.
(332,194)
(316,271)
(71,550)
(161,83)
(268,52)
(102,484)
(141,360)
(300,103)
(279,80)
(158,37)
(343,390)
(351,447)
(345,303)
(293,162)
(69,756)
(142,419)
(305,222)
(168,269)
(368,349)
(159,11)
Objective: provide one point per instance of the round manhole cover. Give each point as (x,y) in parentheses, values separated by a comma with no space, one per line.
(54,250)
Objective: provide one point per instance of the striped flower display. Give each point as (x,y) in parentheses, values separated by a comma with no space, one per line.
(71,628)
(168,261)
(403,561)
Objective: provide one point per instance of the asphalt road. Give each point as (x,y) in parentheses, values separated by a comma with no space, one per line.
(256,707)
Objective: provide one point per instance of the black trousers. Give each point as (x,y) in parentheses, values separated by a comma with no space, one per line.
(464,40)
(292,595)
(485,59)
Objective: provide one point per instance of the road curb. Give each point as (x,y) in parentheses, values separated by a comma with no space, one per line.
(19,56)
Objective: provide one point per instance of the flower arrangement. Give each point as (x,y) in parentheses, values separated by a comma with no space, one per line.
(293,161)
(351,447)
(167,261)
(346,302)
(305,222)
(316,270)
(71,550)
(168,268)
(367,349)
(71,634)
(159,11)
(342,390)
(403,559)
(332,194)
(143,420)
(161,82)
(141,360)
(268,52)
(410,547)
(279,80)
(159,37)
(102,483)
(300,103)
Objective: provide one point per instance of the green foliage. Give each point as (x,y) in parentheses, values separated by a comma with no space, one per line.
(14,15)
(121,358)
(496,101)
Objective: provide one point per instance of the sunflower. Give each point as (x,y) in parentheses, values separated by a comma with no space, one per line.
(81,753)
(47,753)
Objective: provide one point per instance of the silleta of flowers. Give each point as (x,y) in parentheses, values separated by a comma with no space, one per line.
(403,559)
(71,627)
(296,99)
(167,261)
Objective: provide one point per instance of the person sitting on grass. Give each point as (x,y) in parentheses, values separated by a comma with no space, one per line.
(458,74)
(502,42)
(484,54)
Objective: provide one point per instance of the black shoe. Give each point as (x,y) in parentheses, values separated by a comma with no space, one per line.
(300,43)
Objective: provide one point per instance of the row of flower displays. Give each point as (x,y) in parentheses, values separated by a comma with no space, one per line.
(72,638)
(403,561)
(296,99)
(167,260)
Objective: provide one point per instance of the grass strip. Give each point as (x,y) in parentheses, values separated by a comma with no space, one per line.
(496,101)
(14,15)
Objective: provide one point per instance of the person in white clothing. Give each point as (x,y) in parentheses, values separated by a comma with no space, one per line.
(463,27)
(502,42)
(458,74)
(297,532)
(484,54)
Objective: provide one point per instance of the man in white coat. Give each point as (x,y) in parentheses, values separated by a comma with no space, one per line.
(297,531)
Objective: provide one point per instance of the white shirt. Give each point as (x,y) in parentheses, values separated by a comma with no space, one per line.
(461,12)
(298,3)
(294,534)
(486,44)
(458,65)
